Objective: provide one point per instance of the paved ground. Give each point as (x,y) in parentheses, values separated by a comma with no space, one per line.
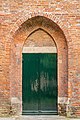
(40,117)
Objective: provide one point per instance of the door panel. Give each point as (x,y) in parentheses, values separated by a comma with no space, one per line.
(30,82)
(48,85)
(39,86)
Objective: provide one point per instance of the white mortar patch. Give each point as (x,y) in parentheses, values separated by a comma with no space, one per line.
(15,100)
(60,61)
(62,100)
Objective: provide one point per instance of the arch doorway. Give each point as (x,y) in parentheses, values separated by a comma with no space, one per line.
(39,36)
(39,74)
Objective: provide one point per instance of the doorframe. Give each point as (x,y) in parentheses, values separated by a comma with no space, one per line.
(42,50)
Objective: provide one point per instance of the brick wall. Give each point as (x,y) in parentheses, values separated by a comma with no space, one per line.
(61,19)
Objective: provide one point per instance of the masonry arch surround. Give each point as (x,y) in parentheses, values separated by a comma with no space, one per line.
(19,38)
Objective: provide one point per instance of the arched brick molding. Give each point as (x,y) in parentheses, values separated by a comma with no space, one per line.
(19,39)
(58,19)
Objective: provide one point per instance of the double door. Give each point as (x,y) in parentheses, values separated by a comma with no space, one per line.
(39,83)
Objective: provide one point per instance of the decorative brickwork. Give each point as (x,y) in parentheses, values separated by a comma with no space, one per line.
(59,19)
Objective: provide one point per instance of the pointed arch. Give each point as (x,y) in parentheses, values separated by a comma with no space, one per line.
(56,33)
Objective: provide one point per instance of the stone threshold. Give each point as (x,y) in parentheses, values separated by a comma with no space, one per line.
(38,117)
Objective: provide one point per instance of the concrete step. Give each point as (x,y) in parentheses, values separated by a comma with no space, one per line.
(45,117)
(39,117)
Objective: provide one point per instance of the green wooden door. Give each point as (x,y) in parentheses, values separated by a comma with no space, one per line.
(39,83)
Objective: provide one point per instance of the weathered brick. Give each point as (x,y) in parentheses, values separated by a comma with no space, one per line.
(61,21)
